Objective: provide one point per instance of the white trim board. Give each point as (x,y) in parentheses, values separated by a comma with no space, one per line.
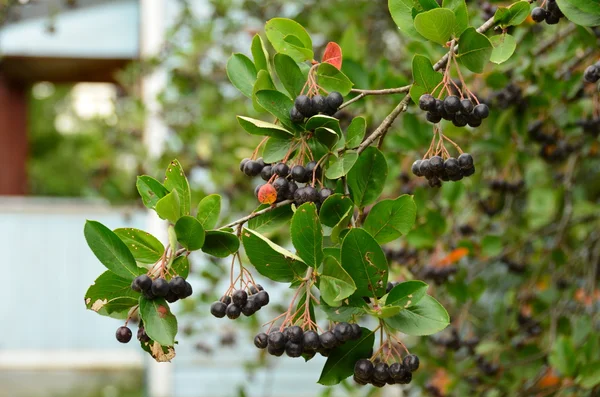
(18,360)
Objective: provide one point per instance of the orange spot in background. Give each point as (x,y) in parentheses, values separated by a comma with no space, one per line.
(440,381)
(267,194)
(454,256)
(550,379)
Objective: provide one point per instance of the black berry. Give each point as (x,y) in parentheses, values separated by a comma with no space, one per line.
(433,117)
(381,372)
(436,164)
(233,311)
(243,163)
(592,74)
(311,194)
(425,169)
(160,287)
(261,340)
(142,336)
(328,340)
(343,332)
(123,334)
(294,334)
(266,173)
(452,104)
(427,102)
(299,174)
(239,297)
(304,105)
(293,349)
(275,351)
(334,100)
(364,369)
(262,298)
(310,167)
(398,372)
(416,168)
(277,340)
(281,169)
(311,341)
(319,104)
(482,111)
(411,362)
(177,286)
(141,283)
(465,161)
(538,14)
(356,331)
(324,194)
(250,307)
(218,309)
(451,166)
(252,168)
(295,115)
(466,105)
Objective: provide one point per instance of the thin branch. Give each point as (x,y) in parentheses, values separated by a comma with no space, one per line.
(245,219)
(363,93)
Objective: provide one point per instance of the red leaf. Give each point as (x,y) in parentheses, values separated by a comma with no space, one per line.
(333,55)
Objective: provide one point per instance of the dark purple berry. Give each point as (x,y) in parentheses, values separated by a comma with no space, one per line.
(381,372)
(281,169)
(538,14)
(177,286)
(416,170)
(411,362)
(451,166)
(343,332)
(356,331)
(433,117)
(277,340)
(141,283)
(293,349)
(160,287)
(466,106)
(324,194)
(482,111)
(311,341)
(262,298)
(239,297)
(319,104)
(465,161)
(299,174)
(328,340)
(243,163)
(294,334)
(252,168)
(364,369)
(334,100)
(261,340)
(304,105)
(233,311)
(218,309)
(427,102)
(123,334)
(266,173)
(452,104)
(436,164)
(295,115)
(310,167)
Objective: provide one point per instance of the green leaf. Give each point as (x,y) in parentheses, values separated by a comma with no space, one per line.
(110,250)
(563,356)
(425,318)
(209,210)
(144,247)
(175,179)
(190,233)
(365,262)
(263,82)
(428,4)
(492,245)
(514,15)
(356,132)
(459,7)
(160,324)
(289,74)
(351,309)
(327,136)
(259,127)
(181,266)
(436,25)
(275,149)
(307,234)
(276,103)
(367,178)
(581,12)
(220,244)
(334,209)
(504,46)
(406,294)
(321,120)
(335,283)
(341,360)
(110,294)
(259,54)
(425,78)
(474,50)
(401,12)
(589,376)
(278,29)
(389,219)
(331,78)
(150,190)
(272,220)
(169,207)
(270,259)
(342,165)
(242,73)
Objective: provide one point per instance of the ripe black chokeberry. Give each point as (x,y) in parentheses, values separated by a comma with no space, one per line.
(253,289)
(319,104)
(243,163)
(261,340)
(356,331)
(342,332)
(295,115)
(239,297)
(363,369)
(275,351)
(292,187)
(398,371)
(433,117)
(141,283)
(482,111)
(451,166)
(466,106)
(427,102)
(452,104)
(300,196)
(299,174)
(311,194)
(436,164)
(381,372)
(233,311)
(416,170)
(425,169)
(188,291)
(281,169)
(538,14)
(324,194)
(411,362)
(310,167)
(257,189)
(592,73)
(266,173)
(460,119)
(142,336)
(334,100)
(160,287)
(218,309)
(473,120)
(252,168)
(304,105)
(465,161)
(294,334)
(328,340)
(171,297)
(262,298)
(293,349)
(123,334)
(177,286)
(281,186)
(311,341)
(148,294)
(250,307)
(277,340)
(360,381)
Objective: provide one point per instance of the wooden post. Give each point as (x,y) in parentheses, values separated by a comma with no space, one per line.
(13,137)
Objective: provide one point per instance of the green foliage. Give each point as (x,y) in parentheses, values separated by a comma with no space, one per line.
(339,364)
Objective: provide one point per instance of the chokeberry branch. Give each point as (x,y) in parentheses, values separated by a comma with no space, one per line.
(245,219)
(363,93)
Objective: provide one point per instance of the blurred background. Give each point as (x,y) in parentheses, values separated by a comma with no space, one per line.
(96,92)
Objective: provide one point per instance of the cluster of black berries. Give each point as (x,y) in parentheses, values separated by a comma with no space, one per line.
(511,95)
(381,374)
(491,205)
(554,148)
(531,326)
(592,73)
(295,342)
(436,170)
(503,186)
(487,367)
(439,274)
(454,341)
(590,126)
(285,180)
(172,290)
(306,107)
(239,302)
(551,14)
(452,108)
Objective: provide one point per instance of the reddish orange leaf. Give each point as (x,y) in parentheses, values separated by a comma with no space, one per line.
(333,55)
(549,379)
(454,256)
(267,194)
